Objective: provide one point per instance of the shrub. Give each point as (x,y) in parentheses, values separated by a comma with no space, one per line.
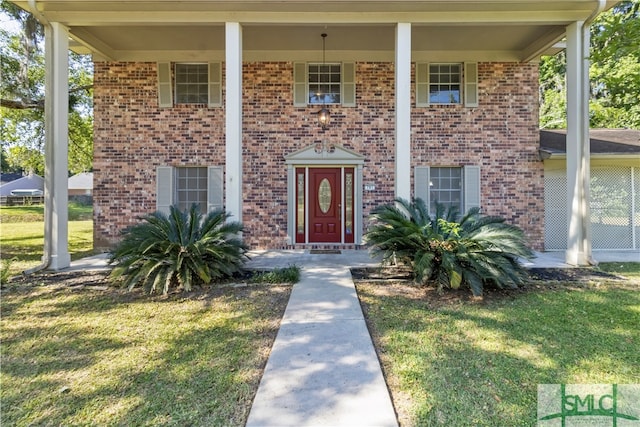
(5,270)
(178,250)
(472,251)
(289,274)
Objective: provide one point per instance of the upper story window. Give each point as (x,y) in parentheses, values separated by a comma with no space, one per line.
(444,83)
(192,83)
(324,83)
(447,84)
(316,84)
(189,83)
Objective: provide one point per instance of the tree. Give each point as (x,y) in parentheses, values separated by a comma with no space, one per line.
(614,73)
(22,98)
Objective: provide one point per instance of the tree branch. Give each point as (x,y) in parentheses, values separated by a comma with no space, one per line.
(21,105)
(35,104)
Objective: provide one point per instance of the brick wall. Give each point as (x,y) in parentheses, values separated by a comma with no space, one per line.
(133,136)
(501,136)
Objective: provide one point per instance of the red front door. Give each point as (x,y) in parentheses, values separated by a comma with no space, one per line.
(325,205)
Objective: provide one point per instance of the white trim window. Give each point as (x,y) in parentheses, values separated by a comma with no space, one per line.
(330,83)
(457,186)
(184,186)
(445,187)
(446,84)
(189,83)
(324,83)
(192,84)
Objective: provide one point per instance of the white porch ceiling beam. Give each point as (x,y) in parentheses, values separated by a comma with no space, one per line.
(100,18)
(95,45)
(541,45)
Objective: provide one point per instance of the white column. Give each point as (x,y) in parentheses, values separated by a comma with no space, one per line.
(233,115)
(56,146)
(403,111)
(578,170)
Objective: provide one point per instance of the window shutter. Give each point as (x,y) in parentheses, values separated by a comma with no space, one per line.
(165,97)
(471,187)
(421,183)
(470,84)
(215,85)
(214,189)
(300,96)
(164,188)
(349,84)
(422,84)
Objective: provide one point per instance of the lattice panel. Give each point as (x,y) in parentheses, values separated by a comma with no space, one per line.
(555,210)
(636,214)
(611,199)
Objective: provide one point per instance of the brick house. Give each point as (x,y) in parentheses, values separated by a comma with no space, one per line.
(217,103)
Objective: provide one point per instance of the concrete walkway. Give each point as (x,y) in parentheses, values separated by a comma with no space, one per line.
(323,369)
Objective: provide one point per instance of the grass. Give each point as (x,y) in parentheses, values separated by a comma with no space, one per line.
(467,363)
(106,357)
(35,213)
(22,235)
(626,269)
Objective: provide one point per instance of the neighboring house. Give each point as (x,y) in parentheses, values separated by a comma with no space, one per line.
(81,184)
(31,184)
(614,190)
(218,102)
(8,177)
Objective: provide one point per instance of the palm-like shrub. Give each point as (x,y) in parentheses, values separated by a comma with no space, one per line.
(470,251)
(178,250)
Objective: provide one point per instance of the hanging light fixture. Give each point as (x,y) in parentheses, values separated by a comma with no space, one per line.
(323,115)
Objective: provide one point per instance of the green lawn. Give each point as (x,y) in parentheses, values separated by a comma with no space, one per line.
(106,357)
(460,362)
(22,234)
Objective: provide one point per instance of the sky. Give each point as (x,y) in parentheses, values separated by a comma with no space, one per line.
(8,24)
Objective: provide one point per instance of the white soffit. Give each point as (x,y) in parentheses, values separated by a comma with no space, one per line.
(289,30)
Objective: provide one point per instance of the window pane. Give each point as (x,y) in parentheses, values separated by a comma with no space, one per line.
(444,83)
(191,187)
(192,83)
(324,82)
(445,187)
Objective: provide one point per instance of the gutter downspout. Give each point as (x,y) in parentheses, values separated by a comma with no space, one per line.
(586,94)
(48,197)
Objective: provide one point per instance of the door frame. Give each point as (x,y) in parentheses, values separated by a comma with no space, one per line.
(304,174)
(311,157)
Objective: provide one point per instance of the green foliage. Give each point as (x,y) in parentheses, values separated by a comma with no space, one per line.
(5,270)
(289,274)
(471,251)
(614,73)
(22,111)
(182,249)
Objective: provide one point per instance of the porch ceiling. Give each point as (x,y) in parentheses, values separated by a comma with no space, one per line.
(153,30)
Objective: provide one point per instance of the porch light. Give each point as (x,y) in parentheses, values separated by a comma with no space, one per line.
(323,114)
(323,118)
